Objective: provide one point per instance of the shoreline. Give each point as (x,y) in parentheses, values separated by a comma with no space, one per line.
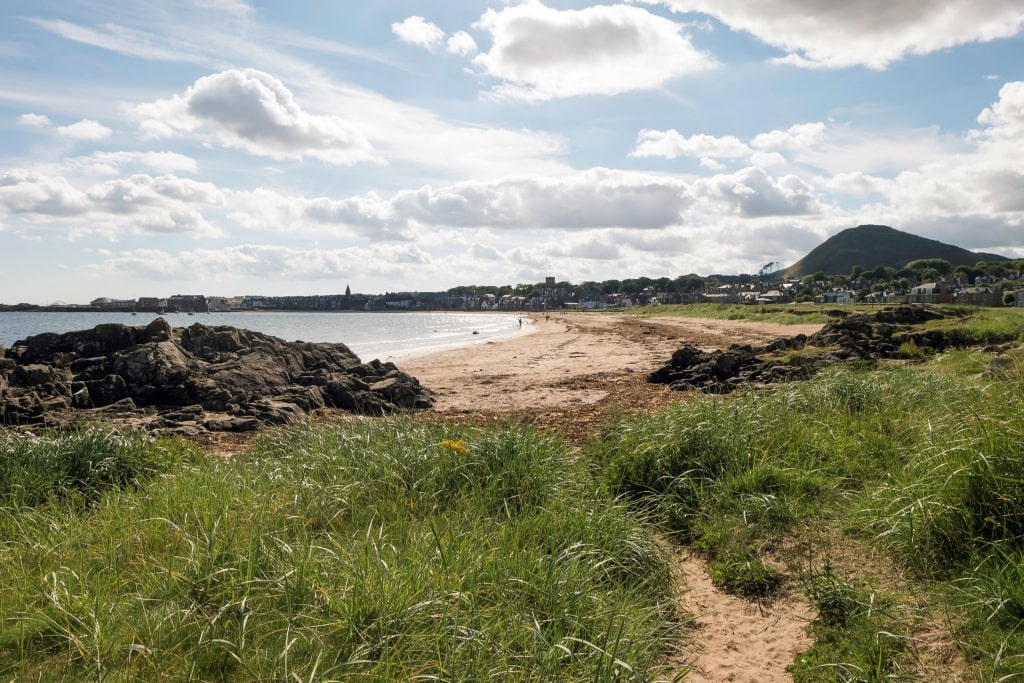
(574,368)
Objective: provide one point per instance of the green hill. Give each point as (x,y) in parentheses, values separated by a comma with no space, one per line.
(870,246)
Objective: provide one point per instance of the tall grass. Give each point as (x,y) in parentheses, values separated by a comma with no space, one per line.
(383,551)
(927,465)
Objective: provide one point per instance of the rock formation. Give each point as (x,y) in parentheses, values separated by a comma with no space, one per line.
(191,380)
(854,337)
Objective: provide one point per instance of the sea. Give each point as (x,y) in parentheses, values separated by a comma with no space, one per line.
(370,335)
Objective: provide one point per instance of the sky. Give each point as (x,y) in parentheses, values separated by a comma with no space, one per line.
(234,147)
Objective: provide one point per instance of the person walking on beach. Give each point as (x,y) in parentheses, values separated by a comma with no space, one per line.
(520,323)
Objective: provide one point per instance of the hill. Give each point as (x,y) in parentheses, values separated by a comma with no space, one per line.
(870,246)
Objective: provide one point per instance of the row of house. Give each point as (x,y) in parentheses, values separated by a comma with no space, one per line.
(179,303)
(944,290)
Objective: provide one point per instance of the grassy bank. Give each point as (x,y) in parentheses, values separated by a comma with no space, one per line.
(383,551)
(391,550)
(921,464)
(801,314)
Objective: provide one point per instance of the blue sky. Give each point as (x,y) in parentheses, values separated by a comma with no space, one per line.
(228,147)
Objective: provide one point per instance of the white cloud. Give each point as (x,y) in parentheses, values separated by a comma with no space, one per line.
(139,204)
(418,31)
(462,44)
(123,40)
(34,120)
(872,33)
(670,144)
(111,163)
(485,252)
(253,111)
(971,198)
(799,136)
(1005,118)
(25,192)
(752,193)
(763,151)
(261,262)
(587,199)
(540,53)
(86,129)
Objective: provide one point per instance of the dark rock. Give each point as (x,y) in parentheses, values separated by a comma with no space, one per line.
(232,424)
(125,406)
(106,391)
(851,337)
(33,375)
(173,377)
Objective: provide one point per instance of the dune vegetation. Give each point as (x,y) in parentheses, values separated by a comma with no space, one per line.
(397,550)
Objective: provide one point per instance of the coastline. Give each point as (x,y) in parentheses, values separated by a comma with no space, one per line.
(571,370)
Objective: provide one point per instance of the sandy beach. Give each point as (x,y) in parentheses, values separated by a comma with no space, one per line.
(568,370)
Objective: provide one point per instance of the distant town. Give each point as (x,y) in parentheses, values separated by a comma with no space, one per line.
(929,281)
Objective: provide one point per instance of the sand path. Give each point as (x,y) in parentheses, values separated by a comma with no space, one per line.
(566,373)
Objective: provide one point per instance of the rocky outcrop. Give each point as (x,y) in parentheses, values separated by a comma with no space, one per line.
(192,380)
(857,337)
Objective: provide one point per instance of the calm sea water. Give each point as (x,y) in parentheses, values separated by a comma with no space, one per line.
(369,335)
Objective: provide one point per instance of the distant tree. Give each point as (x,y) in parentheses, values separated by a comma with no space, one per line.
(879,273)
(856,272)
(689,283)
(631,286)
(941,266)
(610,287)
(965,274)
(1009,298)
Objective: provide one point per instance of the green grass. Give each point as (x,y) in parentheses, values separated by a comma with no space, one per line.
(925,463)
(978,326)
(804,314)
(390,550)
(384,551)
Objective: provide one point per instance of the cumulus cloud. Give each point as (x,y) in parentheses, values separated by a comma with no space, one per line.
(1005,118)
(670,144)
(461,43)
(138,204)
(418,31)
(971,198)
(86,129)
(540,53)
(871,33)
(752,193)
(587,199)
(764,151)
(26,192)
(485,252)
(799,136)
(252,110)
(34,120)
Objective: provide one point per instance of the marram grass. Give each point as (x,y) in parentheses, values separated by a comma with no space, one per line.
(923,462)
(383,551)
